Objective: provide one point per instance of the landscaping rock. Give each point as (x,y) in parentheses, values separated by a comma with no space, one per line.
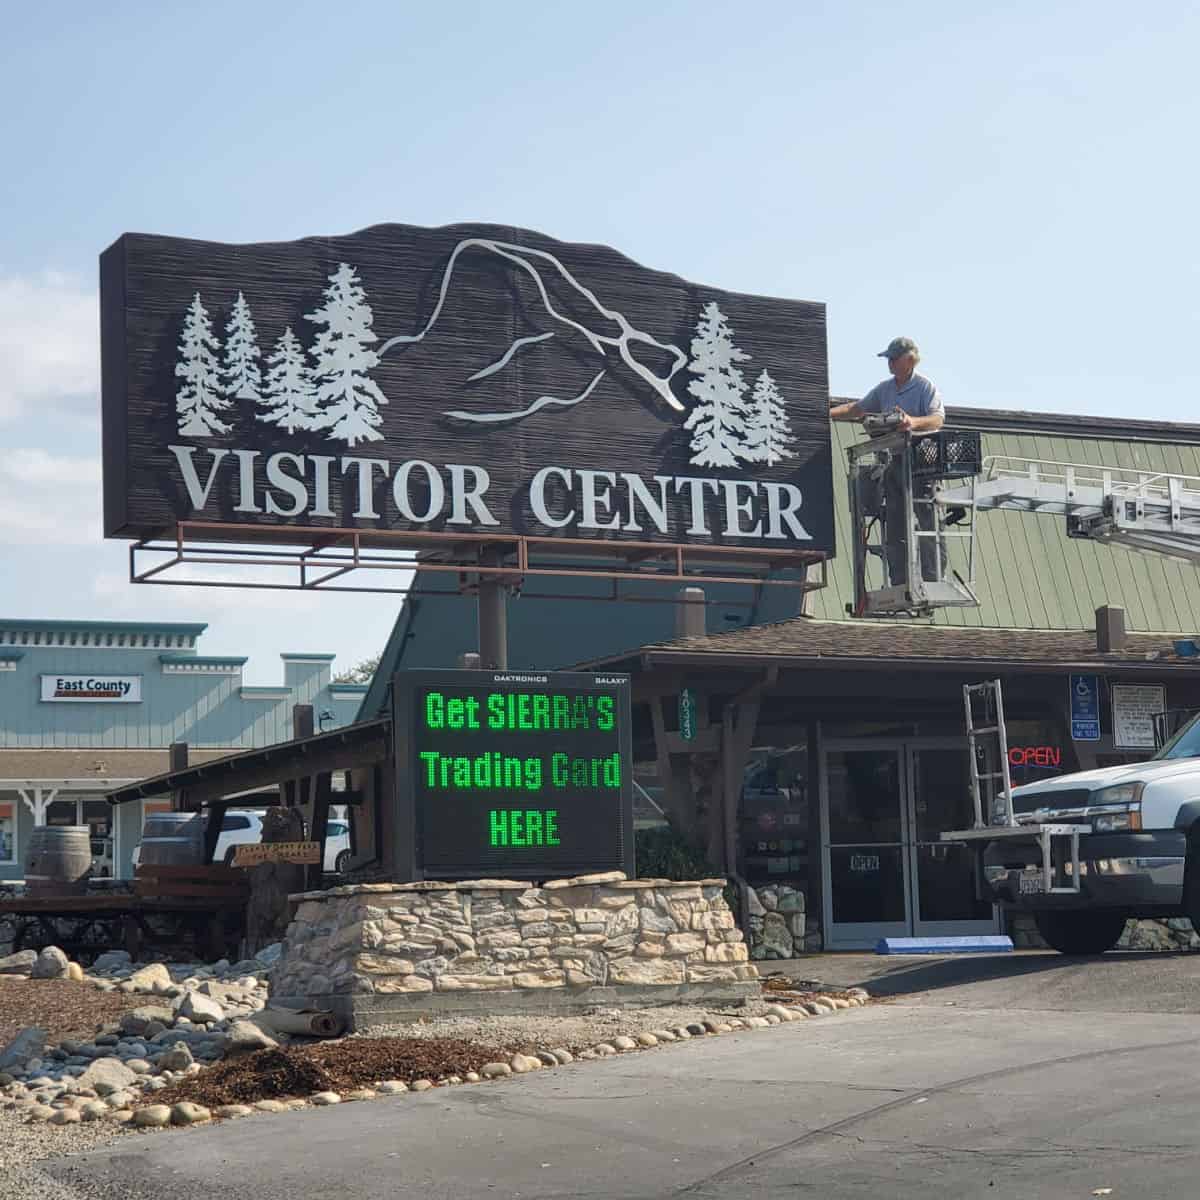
(138,1020)
(51,963)
(153,1116)
(23,1049)
(563,1056)
(20,963)
(148,978)
(245,1036)
(359,1094)
(646,1039)
(74,972)
(324,1099)
(495,1070)
(420,1085)
(199,1008)
(187,1113)
(624,1043)
(392,1087)
(522,1064)
(107,1075)
(271,1106)
(41,1112)
(93,1110)
(111,960)
(177,1058)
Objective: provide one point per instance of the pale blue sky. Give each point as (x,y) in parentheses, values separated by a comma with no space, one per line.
(1015,187)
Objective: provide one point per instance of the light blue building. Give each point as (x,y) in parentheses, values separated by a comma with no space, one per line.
(88,705)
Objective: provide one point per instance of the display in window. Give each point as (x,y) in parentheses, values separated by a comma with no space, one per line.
(8,834)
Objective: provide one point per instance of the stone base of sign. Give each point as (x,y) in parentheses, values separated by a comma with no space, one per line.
(378,953)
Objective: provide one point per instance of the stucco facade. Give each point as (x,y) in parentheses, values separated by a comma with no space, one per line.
(86,705)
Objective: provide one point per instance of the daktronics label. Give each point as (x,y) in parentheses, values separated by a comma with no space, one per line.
(516,779)
(111,689)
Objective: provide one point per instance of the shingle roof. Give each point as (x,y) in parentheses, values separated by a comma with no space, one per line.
(98,764)
(806,639)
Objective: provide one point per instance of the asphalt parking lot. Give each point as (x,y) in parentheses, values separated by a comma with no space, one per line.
(1028,980)
(974,1078)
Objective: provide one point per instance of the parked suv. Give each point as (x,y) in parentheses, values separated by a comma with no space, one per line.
(1142,858)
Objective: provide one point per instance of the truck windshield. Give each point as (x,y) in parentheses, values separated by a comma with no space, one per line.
(1185,744)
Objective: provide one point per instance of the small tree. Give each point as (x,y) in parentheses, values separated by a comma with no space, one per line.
(199,400)
(718,422)
(243,377)
(364,672)
(768,433)
(349,398)
(290,397)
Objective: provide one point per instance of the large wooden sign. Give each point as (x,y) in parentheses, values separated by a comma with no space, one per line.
(521,775)
(466,379)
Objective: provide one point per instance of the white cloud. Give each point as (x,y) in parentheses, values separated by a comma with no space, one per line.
(49,499)
(49,347)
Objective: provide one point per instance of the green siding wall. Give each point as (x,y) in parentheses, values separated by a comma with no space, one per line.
(1029,574)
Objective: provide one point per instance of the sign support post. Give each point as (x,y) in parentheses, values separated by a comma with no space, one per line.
(492,606)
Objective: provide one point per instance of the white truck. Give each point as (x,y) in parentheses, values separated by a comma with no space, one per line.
(1141,857)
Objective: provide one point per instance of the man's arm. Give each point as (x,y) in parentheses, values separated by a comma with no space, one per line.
(929,424)
(850,411)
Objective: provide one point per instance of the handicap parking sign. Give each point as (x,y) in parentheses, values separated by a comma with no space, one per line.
(1085,708)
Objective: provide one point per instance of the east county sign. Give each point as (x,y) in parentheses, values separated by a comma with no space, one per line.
(468,379)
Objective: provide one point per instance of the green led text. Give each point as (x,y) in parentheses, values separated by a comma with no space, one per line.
(520,711)
(523,827)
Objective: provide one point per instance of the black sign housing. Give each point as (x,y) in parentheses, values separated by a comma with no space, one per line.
(470,378)
(514,775)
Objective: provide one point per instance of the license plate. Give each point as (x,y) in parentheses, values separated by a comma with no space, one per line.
(1031,885)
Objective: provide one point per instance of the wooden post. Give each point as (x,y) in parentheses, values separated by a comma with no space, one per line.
(212,830)
(177,760)
(320,821)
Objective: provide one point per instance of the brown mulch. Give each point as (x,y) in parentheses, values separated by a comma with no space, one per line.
(60,1006)
(299,1071)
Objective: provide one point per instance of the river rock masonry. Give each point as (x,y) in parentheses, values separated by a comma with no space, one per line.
(384,953)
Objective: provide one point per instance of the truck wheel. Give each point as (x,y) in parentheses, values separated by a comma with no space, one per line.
(1079,932)
(341,864)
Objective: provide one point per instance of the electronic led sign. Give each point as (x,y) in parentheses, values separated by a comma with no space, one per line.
(513,774)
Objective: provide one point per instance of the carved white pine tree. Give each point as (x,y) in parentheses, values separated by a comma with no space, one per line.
(718,422)
(768,433)
(199,401)
(243,377)
(290,397)
(348,397)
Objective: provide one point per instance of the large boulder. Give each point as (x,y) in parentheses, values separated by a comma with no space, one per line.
(29,1043)
(107,1075)
(20,963)
(52,963)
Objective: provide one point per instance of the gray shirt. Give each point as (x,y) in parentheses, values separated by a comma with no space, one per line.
(918,397)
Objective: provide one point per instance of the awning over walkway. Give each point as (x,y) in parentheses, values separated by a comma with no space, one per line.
(338,750)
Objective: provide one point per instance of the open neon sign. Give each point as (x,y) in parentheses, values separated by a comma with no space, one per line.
(1035,756)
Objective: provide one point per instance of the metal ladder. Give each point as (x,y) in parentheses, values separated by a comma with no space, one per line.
(1149,511)
(1005,826)
(989,690)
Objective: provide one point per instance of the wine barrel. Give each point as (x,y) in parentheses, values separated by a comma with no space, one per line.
(172,839)
(58,860)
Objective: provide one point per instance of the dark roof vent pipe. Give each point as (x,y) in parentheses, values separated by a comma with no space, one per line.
(1110,628)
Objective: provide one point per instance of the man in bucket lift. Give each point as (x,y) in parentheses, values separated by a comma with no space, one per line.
(918,404)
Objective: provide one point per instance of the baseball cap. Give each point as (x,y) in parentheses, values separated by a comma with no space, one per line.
(897,347)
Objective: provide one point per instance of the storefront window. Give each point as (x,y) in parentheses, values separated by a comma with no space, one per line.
(8,833)
(1039,749)
(774,816)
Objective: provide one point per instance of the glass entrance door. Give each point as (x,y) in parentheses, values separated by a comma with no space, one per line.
(866,859)
(942,874)
(886,873)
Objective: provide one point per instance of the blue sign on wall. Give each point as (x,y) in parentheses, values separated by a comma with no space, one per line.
(1085,708)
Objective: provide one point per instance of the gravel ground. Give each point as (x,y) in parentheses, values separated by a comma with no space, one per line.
(63,1008)
(22,1146)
